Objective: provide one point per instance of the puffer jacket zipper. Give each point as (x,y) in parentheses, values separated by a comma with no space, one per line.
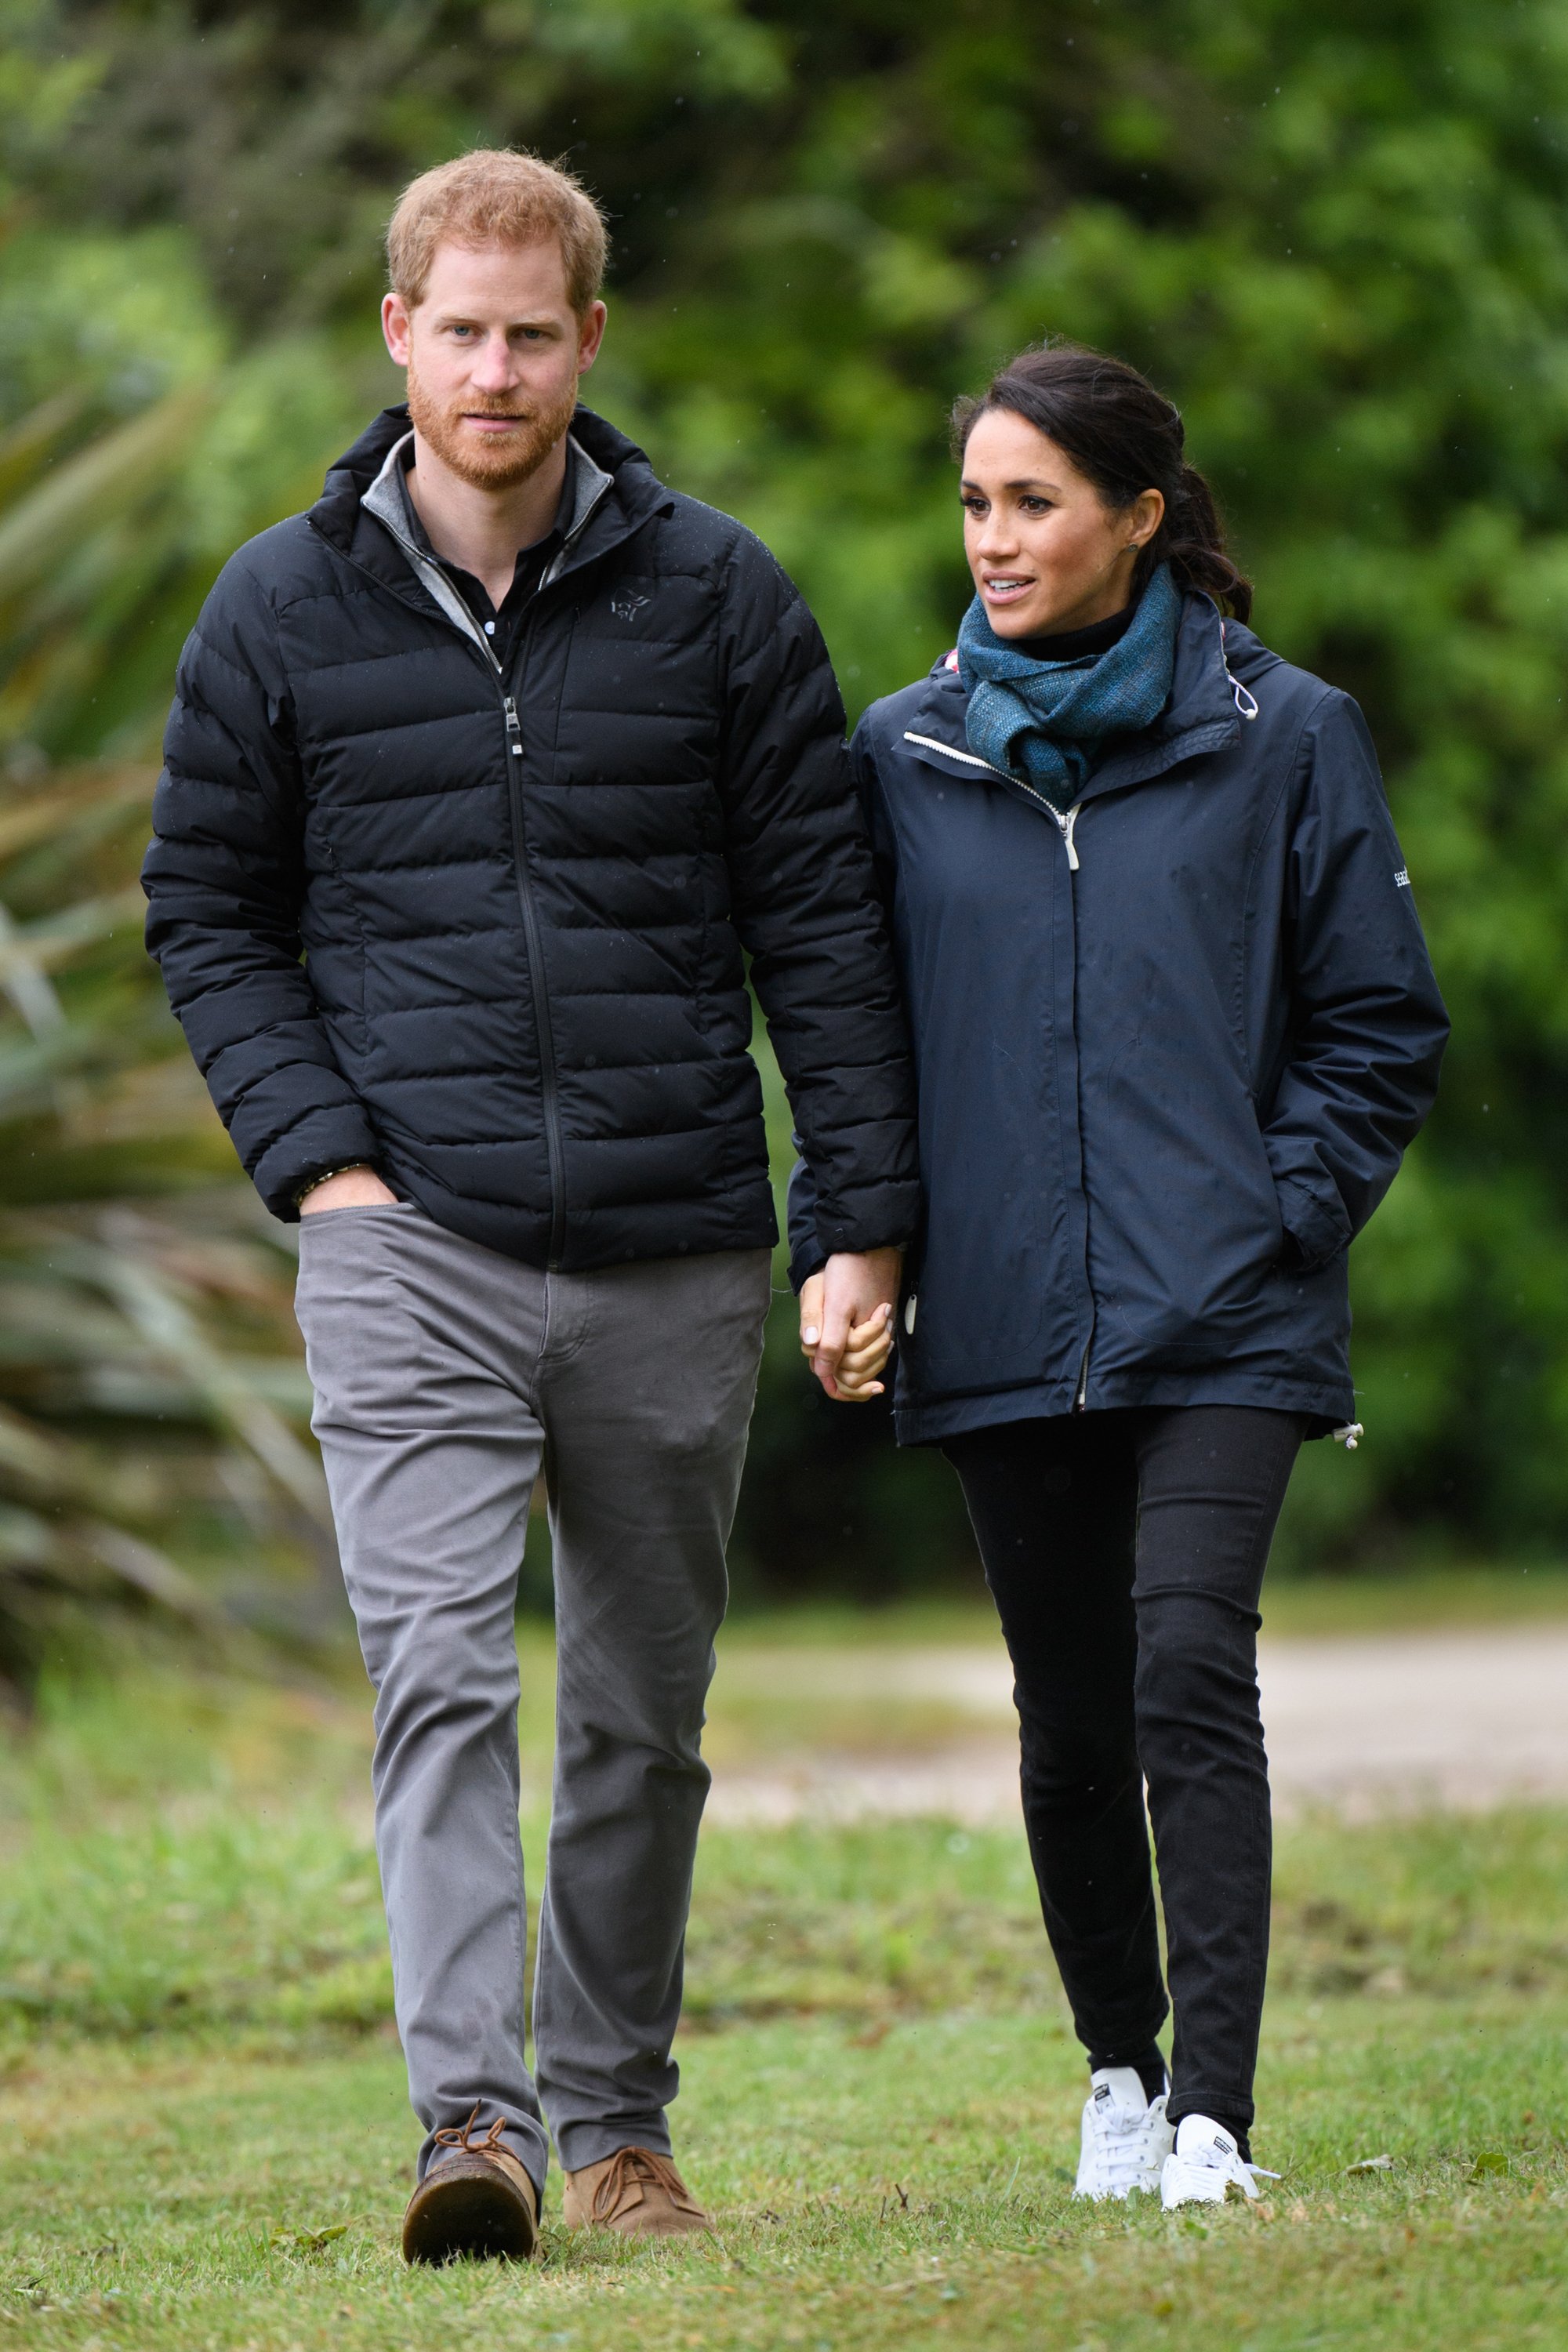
(458,617)
(533,947)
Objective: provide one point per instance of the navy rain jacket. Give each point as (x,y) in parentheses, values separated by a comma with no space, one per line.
(1170,1047)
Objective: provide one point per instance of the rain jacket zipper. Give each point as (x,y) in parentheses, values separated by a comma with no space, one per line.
(1066,824)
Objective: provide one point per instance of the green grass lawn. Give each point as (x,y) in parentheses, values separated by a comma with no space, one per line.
(903,2187)
(206,2140)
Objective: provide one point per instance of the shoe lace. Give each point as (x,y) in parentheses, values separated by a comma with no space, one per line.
(1124,2136)
(1216,2159)
(641,2168)
(461,2138)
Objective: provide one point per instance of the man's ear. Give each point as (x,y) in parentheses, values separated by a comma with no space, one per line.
(397,328)
(590,335)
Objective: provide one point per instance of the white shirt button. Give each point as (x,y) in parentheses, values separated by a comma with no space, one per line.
(490,628)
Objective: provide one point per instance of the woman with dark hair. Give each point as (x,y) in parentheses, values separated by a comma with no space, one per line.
(1175,1025)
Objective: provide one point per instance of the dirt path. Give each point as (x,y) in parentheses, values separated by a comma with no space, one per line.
(1455,1719)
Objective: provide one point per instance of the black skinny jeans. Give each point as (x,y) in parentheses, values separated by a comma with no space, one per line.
(1125,1551)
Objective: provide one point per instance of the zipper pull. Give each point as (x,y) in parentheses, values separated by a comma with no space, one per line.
(1067,823)
(513,727)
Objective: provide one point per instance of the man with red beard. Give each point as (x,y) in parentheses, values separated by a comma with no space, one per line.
(483,779)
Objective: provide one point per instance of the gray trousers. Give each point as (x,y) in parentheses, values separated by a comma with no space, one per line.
(444,1376)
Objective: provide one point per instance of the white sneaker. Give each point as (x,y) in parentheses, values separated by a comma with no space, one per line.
(1126,2138)
(1205,2165)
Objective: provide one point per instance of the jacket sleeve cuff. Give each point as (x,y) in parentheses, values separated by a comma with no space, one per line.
(881,1216)
(806,1258)
(1318,1231)
(339,1136)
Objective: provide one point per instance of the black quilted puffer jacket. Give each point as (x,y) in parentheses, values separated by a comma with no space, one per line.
(489,928)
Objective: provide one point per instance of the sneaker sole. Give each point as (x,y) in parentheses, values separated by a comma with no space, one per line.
(1200,2197)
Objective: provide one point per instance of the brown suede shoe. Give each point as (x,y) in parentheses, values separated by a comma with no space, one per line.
(634,2192)
(480,2201)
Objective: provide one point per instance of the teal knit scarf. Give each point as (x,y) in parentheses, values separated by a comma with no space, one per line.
(1044,720)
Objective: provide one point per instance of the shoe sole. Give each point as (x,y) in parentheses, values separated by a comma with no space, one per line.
(1200,2197)
(468,2209)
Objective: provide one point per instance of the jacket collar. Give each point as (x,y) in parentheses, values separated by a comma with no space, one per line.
(360,510)
(387,501)
(1204,713)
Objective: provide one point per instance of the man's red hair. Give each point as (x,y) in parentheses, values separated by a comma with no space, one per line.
(496,195)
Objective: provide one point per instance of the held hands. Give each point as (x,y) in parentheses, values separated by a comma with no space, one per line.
(350,1188)
(847,1322)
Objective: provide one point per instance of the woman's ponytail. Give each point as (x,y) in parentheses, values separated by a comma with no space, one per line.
(1191,539)
(1125,437)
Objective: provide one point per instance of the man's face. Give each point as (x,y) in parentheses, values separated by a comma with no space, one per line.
(493,351)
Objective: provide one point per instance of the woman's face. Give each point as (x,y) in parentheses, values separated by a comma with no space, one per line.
(1047,554)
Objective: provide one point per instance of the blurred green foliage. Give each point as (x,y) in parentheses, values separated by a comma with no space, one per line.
(1339,237)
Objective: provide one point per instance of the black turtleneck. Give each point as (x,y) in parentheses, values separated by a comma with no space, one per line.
(1075,645)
